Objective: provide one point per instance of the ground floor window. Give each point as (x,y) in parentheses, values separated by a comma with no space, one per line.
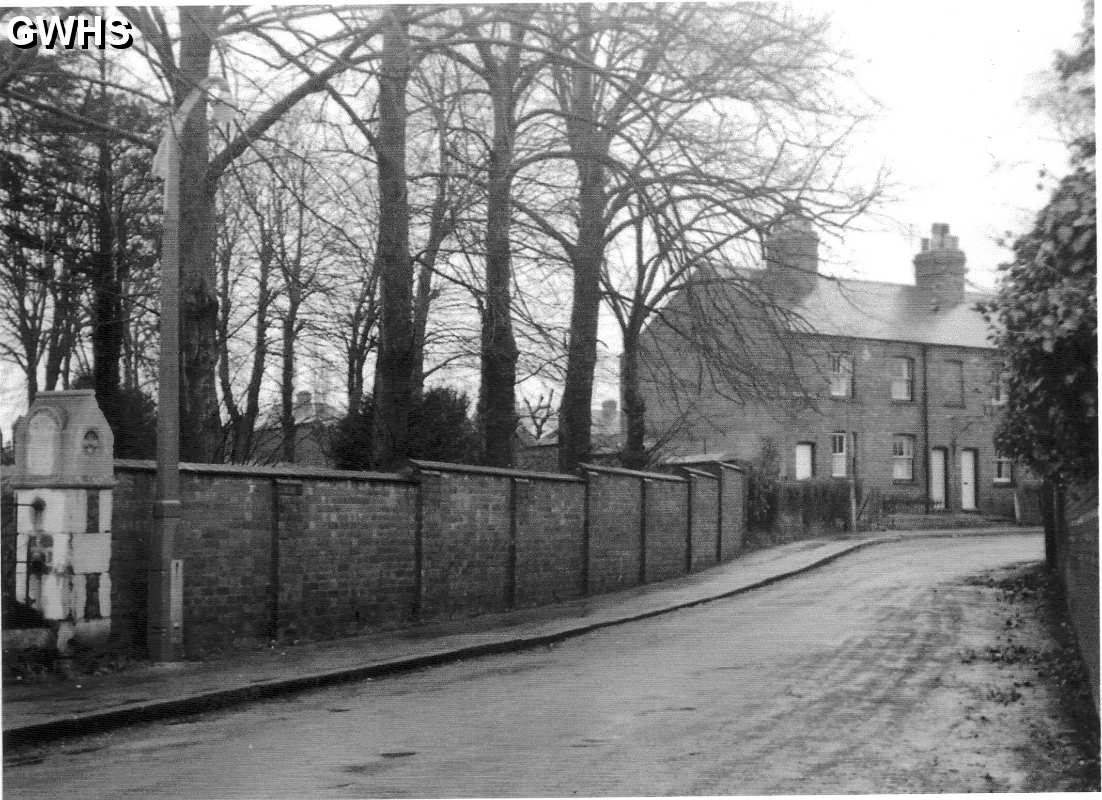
(838,454)
(903,457)
(805,460)
(1004,470)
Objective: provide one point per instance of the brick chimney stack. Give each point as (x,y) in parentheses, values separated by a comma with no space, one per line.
(792,254)
(939,268)
(794,245)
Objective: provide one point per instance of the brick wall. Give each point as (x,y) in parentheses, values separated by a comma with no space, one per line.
(1076,557)
(466,542)
(346,555)
(667,527)
(733,510)
(300,553)
(269,553)
(550,539)
(704,504)
(132,519)
(614,527)
(224,541)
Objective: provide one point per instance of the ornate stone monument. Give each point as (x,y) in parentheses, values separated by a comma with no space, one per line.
(63,480)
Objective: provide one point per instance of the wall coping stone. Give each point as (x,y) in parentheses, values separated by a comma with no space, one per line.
(472,469)
(699,459)
(633,473)
(698,473)
(729,465)
(296,471)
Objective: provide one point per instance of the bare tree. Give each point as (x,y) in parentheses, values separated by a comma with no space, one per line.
(185,61)
(245,221)
(645,99)
(498,37)
(77,226)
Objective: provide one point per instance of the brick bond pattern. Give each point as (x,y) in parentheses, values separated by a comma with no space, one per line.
(284,554)
(705,519)
(1077,567)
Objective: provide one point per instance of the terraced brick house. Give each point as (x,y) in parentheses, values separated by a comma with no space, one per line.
(894,385)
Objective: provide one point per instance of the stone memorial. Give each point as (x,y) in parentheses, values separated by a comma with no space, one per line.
(63,480)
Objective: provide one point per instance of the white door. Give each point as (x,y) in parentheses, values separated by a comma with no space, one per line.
(937,478)
(805,461)
(968,480)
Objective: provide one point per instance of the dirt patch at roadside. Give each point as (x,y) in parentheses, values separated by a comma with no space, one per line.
(1022,672)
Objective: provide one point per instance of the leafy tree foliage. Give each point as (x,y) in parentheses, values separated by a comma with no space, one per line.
(440,429)
(351,442)
(1045,315)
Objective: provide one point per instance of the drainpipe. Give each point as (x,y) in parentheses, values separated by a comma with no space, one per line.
(926,426)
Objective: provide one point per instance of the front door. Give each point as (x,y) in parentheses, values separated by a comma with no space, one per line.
(937,478)
(967,480)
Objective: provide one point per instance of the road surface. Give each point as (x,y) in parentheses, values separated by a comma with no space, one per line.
(848,679)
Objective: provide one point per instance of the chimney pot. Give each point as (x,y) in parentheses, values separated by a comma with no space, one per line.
(939,268)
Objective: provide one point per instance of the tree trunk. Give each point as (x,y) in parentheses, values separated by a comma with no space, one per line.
(575,413)
(635,408)
(61,338)
(107,322)
(200,424)
(394,365)
(421,305)
(497,402)
(243,421)
(287,383)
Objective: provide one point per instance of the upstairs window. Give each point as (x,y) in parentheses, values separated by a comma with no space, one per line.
(903,457)
(903,378)
(838,454)
(805,461)
(954,383)
(841,375)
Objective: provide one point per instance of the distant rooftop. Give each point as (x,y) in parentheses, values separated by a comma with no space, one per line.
(864,309)
(892,311)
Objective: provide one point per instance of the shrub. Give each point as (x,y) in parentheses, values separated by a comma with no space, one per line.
(350,446)
(818,502)
(440,429)
(762,486)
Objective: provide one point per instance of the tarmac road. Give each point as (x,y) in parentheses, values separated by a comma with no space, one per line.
(846,679)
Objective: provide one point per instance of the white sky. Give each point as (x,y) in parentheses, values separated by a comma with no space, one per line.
(954,131)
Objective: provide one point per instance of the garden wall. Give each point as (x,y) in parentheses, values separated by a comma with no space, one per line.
(276,554)
(1072,539)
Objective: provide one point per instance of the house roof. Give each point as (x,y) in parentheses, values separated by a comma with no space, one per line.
(898,312)
(891,311)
